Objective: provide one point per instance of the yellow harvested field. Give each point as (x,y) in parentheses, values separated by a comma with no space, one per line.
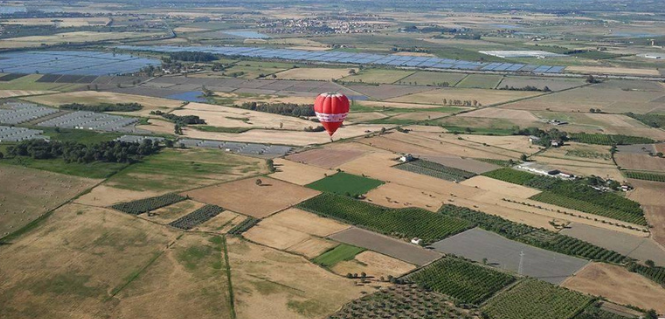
(26,194)
(306,222)
(221,223)
(622,124)
(398,196)
(16,93)
(224,116)
(274,236)
(640,162)
(268,281)
(80,256)
(248,198)
(76,36)
(158,126)
(497,113)
(297,138)
(96,98)
(500,187)
(104,196)
(188,29)
(59,22)
(375,265)
(317,74)
(579,152)
(380,104)
(508,143)
(170,213)
(619,285)
(650,196)
(581,168)
(298,173)
(611,70)
(312,247)
(265,98)
(483,96)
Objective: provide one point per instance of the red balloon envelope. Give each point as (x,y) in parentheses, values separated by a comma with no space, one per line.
(331,109)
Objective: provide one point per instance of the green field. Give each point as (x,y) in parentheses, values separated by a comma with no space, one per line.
(432,78)
(173,169)
(28,83)
(340,253)
(537,299)
(379,76)
(401,223)
(345,184)
(461,279)
(482,81)
(607,139)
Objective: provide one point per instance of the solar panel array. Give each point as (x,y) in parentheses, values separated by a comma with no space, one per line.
(17,134)
(238,147)
(355,58)
(90,121)
(72,62)
(23,112)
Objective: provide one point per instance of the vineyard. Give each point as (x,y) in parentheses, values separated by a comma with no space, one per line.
(646,176)
(595,312)
(436,170)
(537,299)
(533,236)
(657,274)
(404,301)
(603,139)
(244,226)
(148,204)
(574,195)
(197,217)
(587,207)
(401,223)
(461,279)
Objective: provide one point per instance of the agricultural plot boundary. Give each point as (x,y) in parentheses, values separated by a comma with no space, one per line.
(141,206)
(197,217)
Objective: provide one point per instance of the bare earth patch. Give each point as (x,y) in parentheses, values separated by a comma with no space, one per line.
(298,173)
(306,222)
(618,285)
(248,198)
(375,265)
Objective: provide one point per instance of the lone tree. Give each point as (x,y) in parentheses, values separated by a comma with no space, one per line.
(2,155)
(259,182)
(523,158)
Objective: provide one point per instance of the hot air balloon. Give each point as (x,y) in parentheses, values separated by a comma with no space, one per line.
(331,109)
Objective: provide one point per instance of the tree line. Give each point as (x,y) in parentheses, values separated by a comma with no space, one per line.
(289,109)
(103,107)
(73,152)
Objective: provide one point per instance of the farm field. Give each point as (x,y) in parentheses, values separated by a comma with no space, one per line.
(224,116)
(297,173)
(476,244)
(378,76)
(328,157)
(29,83)
(4,94)
(344,183)
(500,187)
(580,152)
(480,81)
(248,198)
(554,84)
(385,245)
(316,74)
(546,301)
(340,253)
(612,70)
(498,113)
(72,263)
(483,96)
(175,170)
(373,264)
(104,196)
(467,164)
(167,214)
(403,223)
(33,193)
(619,285)
(580,167)
(61,23)
(461,279)
(394,195)
(433,78)
(388,91)
(309,223)
(95,98)
(436,170)
(641,248)
(640,162)
(69,37)
(610,98)
(275,236)
(649,195)
(286,286)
